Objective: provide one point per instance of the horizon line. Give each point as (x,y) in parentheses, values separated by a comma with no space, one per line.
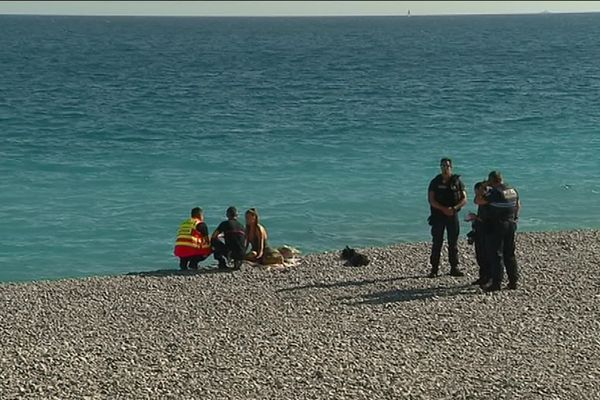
(545,12)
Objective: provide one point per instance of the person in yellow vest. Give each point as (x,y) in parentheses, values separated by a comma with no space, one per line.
(193,243)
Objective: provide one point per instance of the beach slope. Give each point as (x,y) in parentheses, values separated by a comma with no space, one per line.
(318,331)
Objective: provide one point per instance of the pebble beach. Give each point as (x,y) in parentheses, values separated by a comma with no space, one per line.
(319,330)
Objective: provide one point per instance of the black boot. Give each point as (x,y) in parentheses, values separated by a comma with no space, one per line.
(494,287)
(454,271)
(237,264)
(433,273)
(485,283)
(183,263)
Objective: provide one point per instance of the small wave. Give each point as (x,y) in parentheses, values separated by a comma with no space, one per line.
(526,118)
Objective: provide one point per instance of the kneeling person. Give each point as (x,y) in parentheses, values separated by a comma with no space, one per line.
(192,244)
(232,245)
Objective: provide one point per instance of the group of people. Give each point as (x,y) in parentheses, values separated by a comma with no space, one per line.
(493,233)
(494,225)
(228,243)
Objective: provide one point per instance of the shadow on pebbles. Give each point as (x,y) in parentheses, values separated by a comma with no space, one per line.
(319,330)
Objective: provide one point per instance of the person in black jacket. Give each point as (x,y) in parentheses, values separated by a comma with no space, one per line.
(229,241)
(477,236)
(446,196)
(500,223)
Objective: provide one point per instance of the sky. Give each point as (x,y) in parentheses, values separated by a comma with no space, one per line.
(291,8)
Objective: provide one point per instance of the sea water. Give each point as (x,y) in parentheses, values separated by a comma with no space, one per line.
(113,128)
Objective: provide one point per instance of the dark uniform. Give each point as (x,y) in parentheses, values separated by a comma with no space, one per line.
(500,226)
(234,245)
(477,237)
(480,250)
(448,194)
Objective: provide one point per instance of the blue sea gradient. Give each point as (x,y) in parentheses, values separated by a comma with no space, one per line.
(113,128)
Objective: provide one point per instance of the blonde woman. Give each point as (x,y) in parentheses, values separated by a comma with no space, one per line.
(256,236)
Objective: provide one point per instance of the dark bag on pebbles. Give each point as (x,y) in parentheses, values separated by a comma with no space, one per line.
(354,258)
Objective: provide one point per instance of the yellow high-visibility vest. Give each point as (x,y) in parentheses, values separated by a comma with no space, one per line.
(189,237)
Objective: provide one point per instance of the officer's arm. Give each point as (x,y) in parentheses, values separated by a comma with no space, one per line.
(435,204)
(479,193)
(216,233)
(480,199)
(518,208)
(202,229)
(462,202)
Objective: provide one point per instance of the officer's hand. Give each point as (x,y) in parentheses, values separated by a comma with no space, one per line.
(470,217)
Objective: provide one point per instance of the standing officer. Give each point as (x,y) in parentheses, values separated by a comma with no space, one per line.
(447,196)
(477,235)
(503,207)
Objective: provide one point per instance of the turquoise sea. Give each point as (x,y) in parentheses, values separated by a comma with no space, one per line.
(113,128)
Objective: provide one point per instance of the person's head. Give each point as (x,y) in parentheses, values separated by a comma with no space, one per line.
(446,166)
(480,186)
(495,178)
(252,217)
(231,212)
(196,212)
